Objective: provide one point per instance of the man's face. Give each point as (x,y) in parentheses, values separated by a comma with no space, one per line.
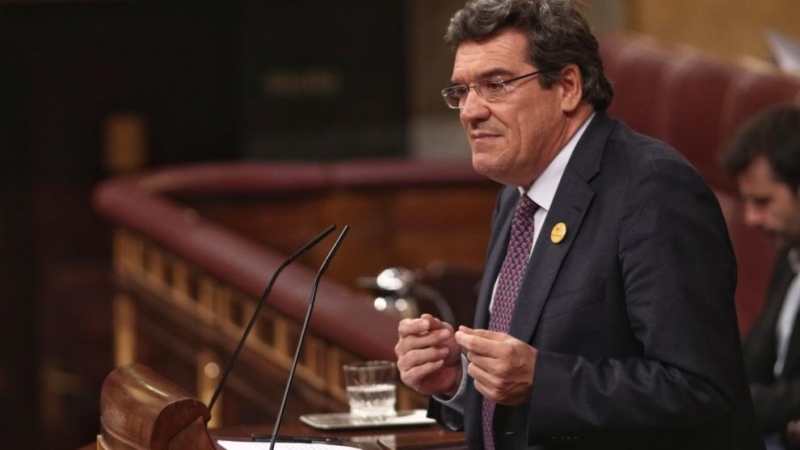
(770,205)
(514,139)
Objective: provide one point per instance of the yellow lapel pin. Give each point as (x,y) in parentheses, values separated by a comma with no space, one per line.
(558,233)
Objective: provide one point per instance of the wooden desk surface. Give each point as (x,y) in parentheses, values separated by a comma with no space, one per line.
(407,438)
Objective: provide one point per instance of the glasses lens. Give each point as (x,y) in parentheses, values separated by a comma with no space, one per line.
(453,95)
(491,90)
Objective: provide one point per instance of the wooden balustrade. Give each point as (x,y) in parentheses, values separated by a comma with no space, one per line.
(194,248)
(152,278)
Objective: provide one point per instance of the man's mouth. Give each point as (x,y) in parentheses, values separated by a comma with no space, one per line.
(482,135)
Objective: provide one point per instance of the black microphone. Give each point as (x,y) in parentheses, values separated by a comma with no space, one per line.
(261,302)
(322,269)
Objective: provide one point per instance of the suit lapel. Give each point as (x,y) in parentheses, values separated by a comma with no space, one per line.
(760,347)
(570,204)
(498,241)
(790,365)
(792,357)
(497,252)
(569,207)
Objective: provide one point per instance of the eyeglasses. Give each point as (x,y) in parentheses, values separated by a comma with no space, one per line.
(488,89)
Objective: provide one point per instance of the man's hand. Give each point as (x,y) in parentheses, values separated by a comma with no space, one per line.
(428,356)
(502,366)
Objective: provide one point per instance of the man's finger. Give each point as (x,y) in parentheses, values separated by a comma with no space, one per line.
(483,382)
(485,363)
(421,325)
(408,327)
(429,318)
(432,340)
(421,356)
(481,343)
(414,375)
(492,335)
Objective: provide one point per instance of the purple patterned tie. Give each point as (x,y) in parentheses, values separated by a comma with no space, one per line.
(508,284)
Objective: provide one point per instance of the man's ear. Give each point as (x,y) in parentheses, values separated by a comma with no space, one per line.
(571,84)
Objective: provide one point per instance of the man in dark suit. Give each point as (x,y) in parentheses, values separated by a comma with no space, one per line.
(606,317)
(765,158)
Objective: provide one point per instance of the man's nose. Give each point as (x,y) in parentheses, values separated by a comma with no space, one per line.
(473,107)
(753,217)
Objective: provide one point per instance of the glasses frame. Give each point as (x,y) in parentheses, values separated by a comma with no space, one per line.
(478,86)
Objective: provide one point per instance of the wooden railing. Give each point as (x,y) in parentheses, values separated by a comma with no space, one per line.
(194,248)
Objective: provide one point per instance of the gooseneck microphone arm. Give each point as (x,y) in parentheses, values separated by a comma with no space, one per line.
(261,302)
(322,270)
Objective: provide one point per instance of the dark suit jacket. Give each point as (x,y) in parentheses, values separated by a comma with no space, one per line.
(632,313)
(777,401)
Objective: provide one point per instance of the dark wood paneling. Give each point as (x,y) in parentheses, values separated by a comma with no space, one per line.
(18,368)
(67,66)
(323,80)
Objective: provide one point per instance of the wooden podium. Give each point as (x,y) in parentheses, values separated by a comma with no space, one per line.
(141,410)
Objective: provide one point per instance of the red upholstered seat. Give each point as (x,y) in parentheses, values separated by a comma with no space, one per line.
(692,109)
(754,91)
(638,82)
(612,45)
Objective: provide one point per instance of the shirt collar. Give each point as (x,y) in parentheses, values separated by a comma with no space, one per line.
(543,190)
(794,259)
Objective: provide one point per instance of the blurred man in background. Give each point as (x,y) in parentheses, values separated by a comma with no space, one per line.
(765,159)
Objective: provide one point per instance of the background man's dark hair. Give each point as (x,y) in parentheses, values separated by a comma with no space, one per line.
(558,34)
(773,133)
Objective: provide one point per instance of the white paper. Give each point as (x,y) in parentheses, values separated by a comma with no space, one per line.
(246,445)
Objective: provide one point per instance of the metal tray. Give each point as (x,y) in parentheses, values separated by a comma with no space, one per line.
(341,421)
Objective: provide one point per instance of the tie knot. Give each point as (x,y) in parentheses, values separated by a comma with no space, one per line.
(526,205)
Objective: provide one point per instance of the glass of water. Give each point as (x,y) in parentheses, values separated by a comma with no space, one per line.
(371,390)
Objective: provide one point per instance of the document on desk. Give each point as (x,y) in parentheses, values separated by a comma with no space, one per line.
(246,445)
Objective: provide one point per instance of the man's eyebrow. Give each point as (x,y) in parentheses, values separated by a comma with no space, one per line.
(496,72)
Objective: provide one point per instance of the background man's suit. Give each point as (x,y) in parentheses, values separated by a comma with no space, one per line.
(632,313)
(777,401)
